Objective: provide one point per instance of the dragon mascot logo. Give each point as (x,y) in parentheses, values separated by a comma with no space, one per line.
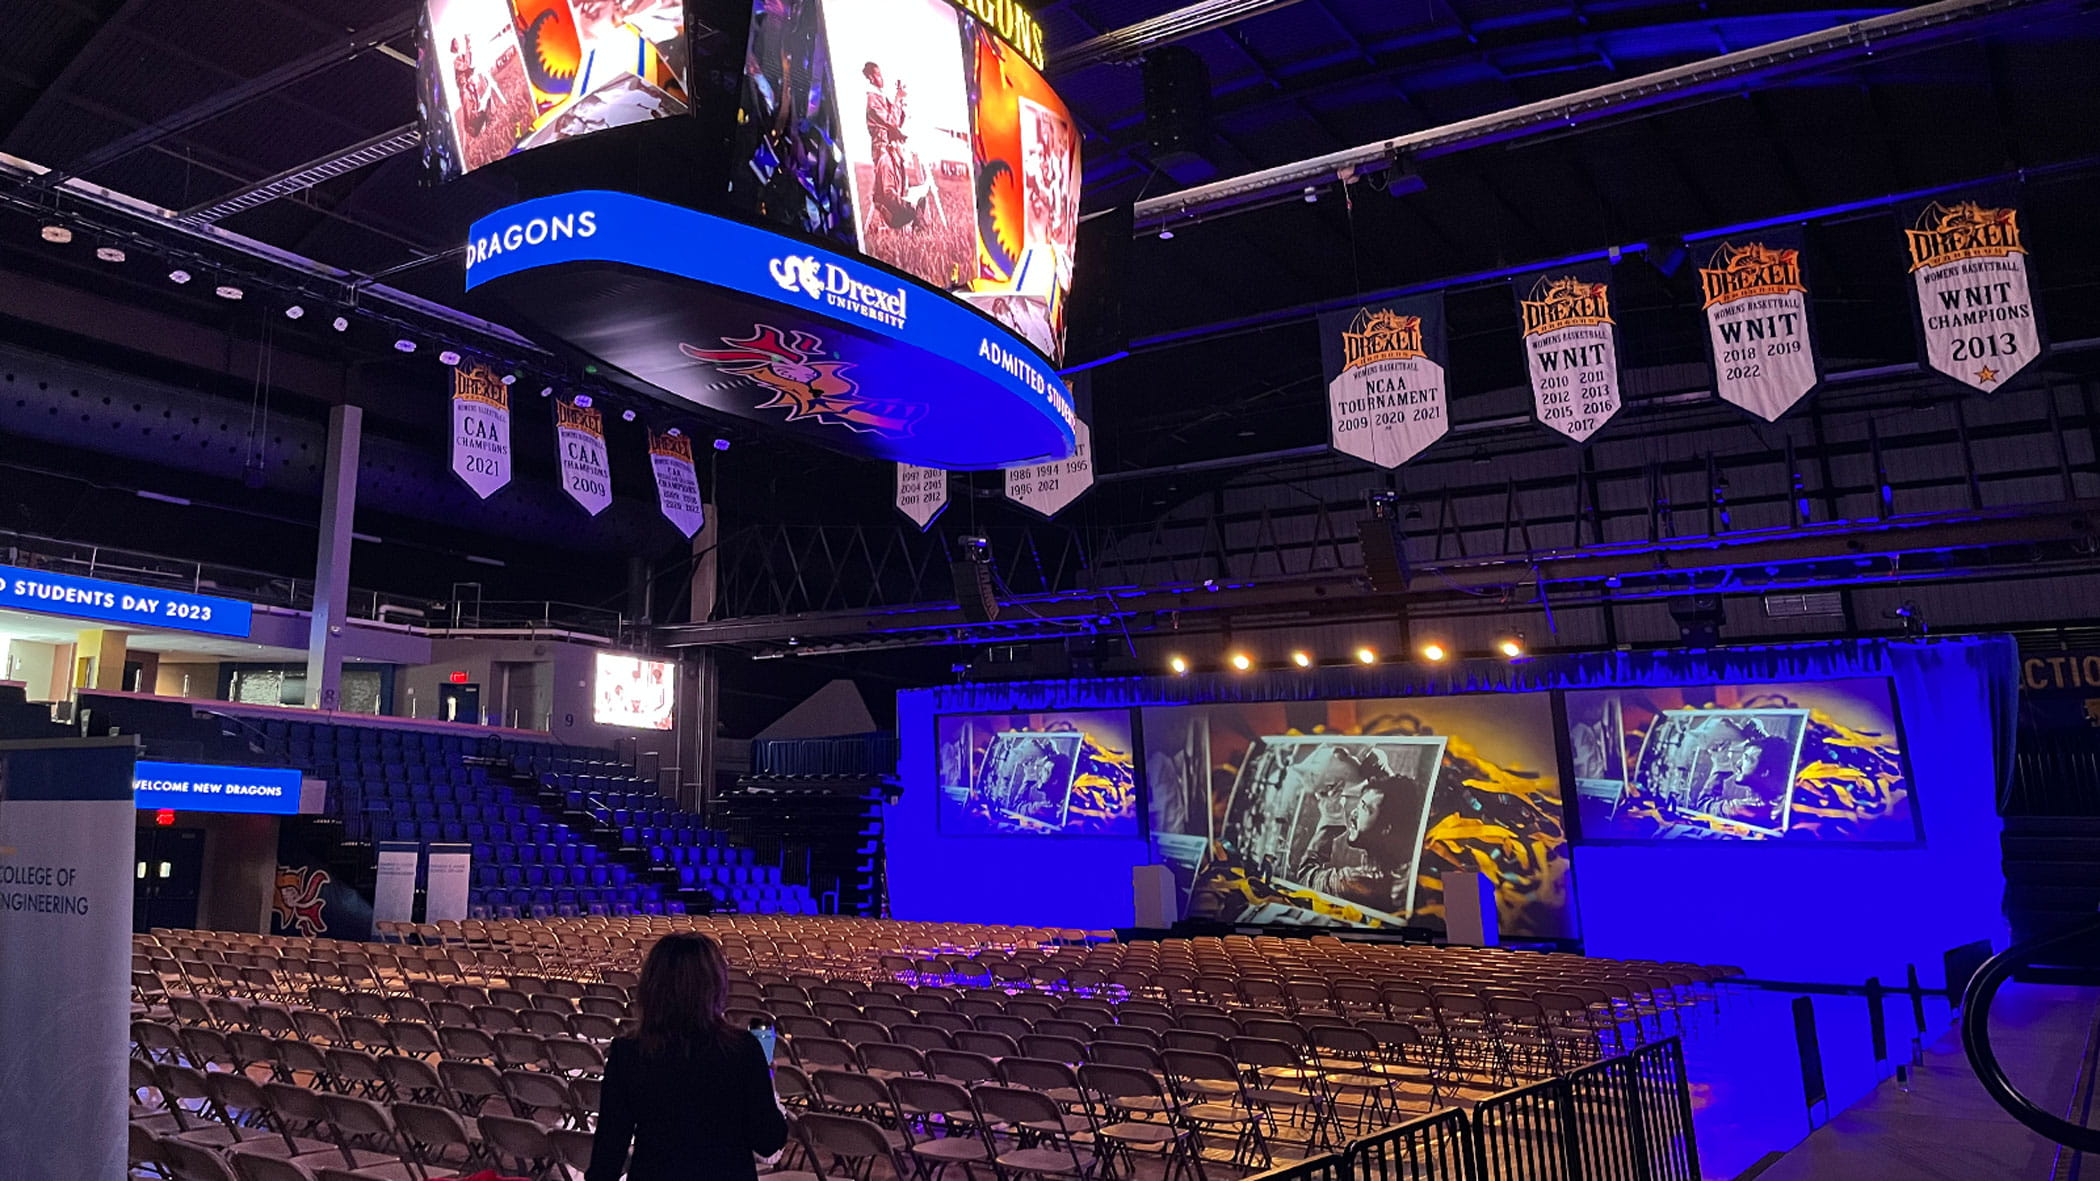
(818,390)
(298,903)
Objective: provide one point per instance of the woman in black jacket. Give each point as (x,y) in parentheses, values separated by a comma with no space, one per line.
(691,1092)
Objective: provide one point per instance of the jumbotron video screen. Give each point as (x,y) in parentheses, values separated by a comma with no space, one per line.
(1038,774)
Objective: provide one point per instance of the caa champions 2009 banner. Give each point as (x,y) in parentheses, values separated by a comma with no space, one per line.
(1757,322)
(1384,366)
(1571,347)
(1976,313)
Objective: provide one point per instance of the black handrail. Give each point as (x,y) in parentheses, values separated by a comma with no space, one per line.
(1976,1039)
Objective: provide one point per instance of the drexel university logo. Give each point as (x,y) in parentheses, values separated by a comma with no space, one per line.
(798,272)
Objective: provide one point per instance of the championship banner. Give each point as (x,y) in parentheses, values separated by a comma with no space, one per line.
(67,831)
(1384,365)
(1764,357)
(1571,347)
(480,429)
(586,475)
(677,488)
(1976,314)
(922,492)
(1048,487)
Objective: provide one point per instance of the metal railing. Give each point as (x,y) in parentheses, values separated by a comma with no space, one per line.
(1624,1118)
(1983,1058)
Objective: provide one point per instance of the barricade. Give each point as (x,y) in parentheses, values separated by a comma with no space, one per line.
(1436,1147)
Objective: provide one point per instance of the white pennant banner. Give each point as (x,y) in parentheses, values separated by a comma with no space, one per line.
(1757,324)
(1571,348)
(1975,309)
(677,487)
(1049,487)
(586,476)
(922,492)
(480,429)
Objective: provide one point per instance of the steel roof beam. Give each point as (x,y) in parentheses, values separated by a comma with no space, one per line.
(1130,43)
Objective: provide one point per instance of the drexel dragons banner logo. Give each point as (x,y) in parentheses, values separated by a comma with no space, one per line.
(1384,365)
(1571,347)
(1976,313)
(1757,322)
(808,388)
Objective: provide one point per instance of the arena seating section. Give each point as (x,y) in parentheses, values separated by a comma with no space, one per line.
(463,1046)
(555,830)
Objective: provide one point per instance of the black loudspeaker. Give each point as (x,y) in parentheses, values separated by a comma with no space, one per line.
(1177,105)
(1094,325)
(1385,553)
(973,590)
(1699,619)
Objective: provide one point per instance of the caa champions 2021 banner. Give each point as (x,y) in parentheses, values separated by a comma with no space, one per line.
(1384,365)
(1976,313)
(1757,322)
(1571,347)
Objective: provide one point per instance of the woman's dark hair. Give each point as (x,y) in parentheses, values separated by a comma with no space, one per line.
(682,995)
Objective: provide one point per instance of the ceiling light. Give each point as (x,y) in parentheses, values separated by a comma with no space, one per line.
(228,291)
(404,345)
(1511,645)
(546,391)
(1433,652)
(448,357)
(1166,235)
(178,275)
(110,253)
(584,401)
(342,324)
(626,416)
(56,234)
(1302,658)
(1242,661)
(1179,665)
(294,312)
(510,379)
(721,444)
(674,432)
(1366,656)
(1312,195)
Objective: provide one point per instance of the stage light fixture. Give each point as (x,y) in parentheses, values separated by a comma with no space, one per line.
(1434,652)
(404,345)
(178,275)
(583,401)
(228,291)
(546,391)
(721,444)
(674,432)
(294,312)
(626,416)
(1312,195)
(1179,664)
(1366,655)
(110,253)
(510,379)
(1511,645)
(1166,235)
(1302,658)
(1242,661)
(55,233)
(341,324)
(448,357)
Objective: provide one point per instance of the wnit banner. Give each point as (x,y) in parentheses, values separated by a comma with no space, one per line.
(1384,365)
(1571,347)
(1757,322)
(1976,314)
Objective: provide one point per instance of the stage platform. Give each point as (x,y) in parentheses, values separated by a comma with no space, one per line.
(1942,1127)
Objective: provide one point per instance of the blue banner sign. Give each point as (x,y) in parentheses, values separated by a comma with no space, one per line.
(114,602)
(752,322)
(210,787)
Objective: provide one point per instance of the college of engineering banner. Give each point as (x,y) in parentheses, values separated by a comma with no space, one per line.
(66,841)
(1757,322)
(677,488)
(480,429)
(1976,313)
(922,492)
(579,433)
(1384,365)
(1571,346)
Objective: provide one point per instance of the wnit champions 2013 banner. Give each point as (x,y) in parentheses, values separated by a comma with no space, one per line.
(1976,313)
(1757,322)
(1384,365)
(1571,347)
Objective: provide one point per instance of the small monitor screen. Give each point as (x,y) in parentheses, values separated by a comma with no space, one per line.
(633,692)
(1038,774)
(1821,761)
(501,76)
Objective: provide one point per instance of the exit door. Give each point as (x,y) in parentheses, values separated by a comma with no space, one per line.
(166,876)
(459,703)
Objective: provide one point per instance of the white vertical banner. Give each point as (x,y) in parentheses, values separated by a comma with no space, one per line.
(1571,347)
(579,436)
(677,487)
(1049,487)
(394,887)
(922,492)
(67,838)
(1976,313)
(1384,365)
(445,882)
(480,429)
(1757,323)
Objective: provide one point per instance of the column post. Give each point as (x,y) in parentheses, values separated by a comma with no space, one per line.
(324,651)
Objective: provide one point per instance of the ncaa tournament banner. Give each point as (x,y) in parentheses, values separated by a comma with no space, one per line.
(67,829)
(1764,356)
(1571,346)
(480,429)
(1976,315)
(579,433)
(677,488)
(1384,365)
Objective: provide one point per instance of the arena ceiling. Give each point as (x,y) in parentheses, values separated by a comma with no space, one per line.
(183,104)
